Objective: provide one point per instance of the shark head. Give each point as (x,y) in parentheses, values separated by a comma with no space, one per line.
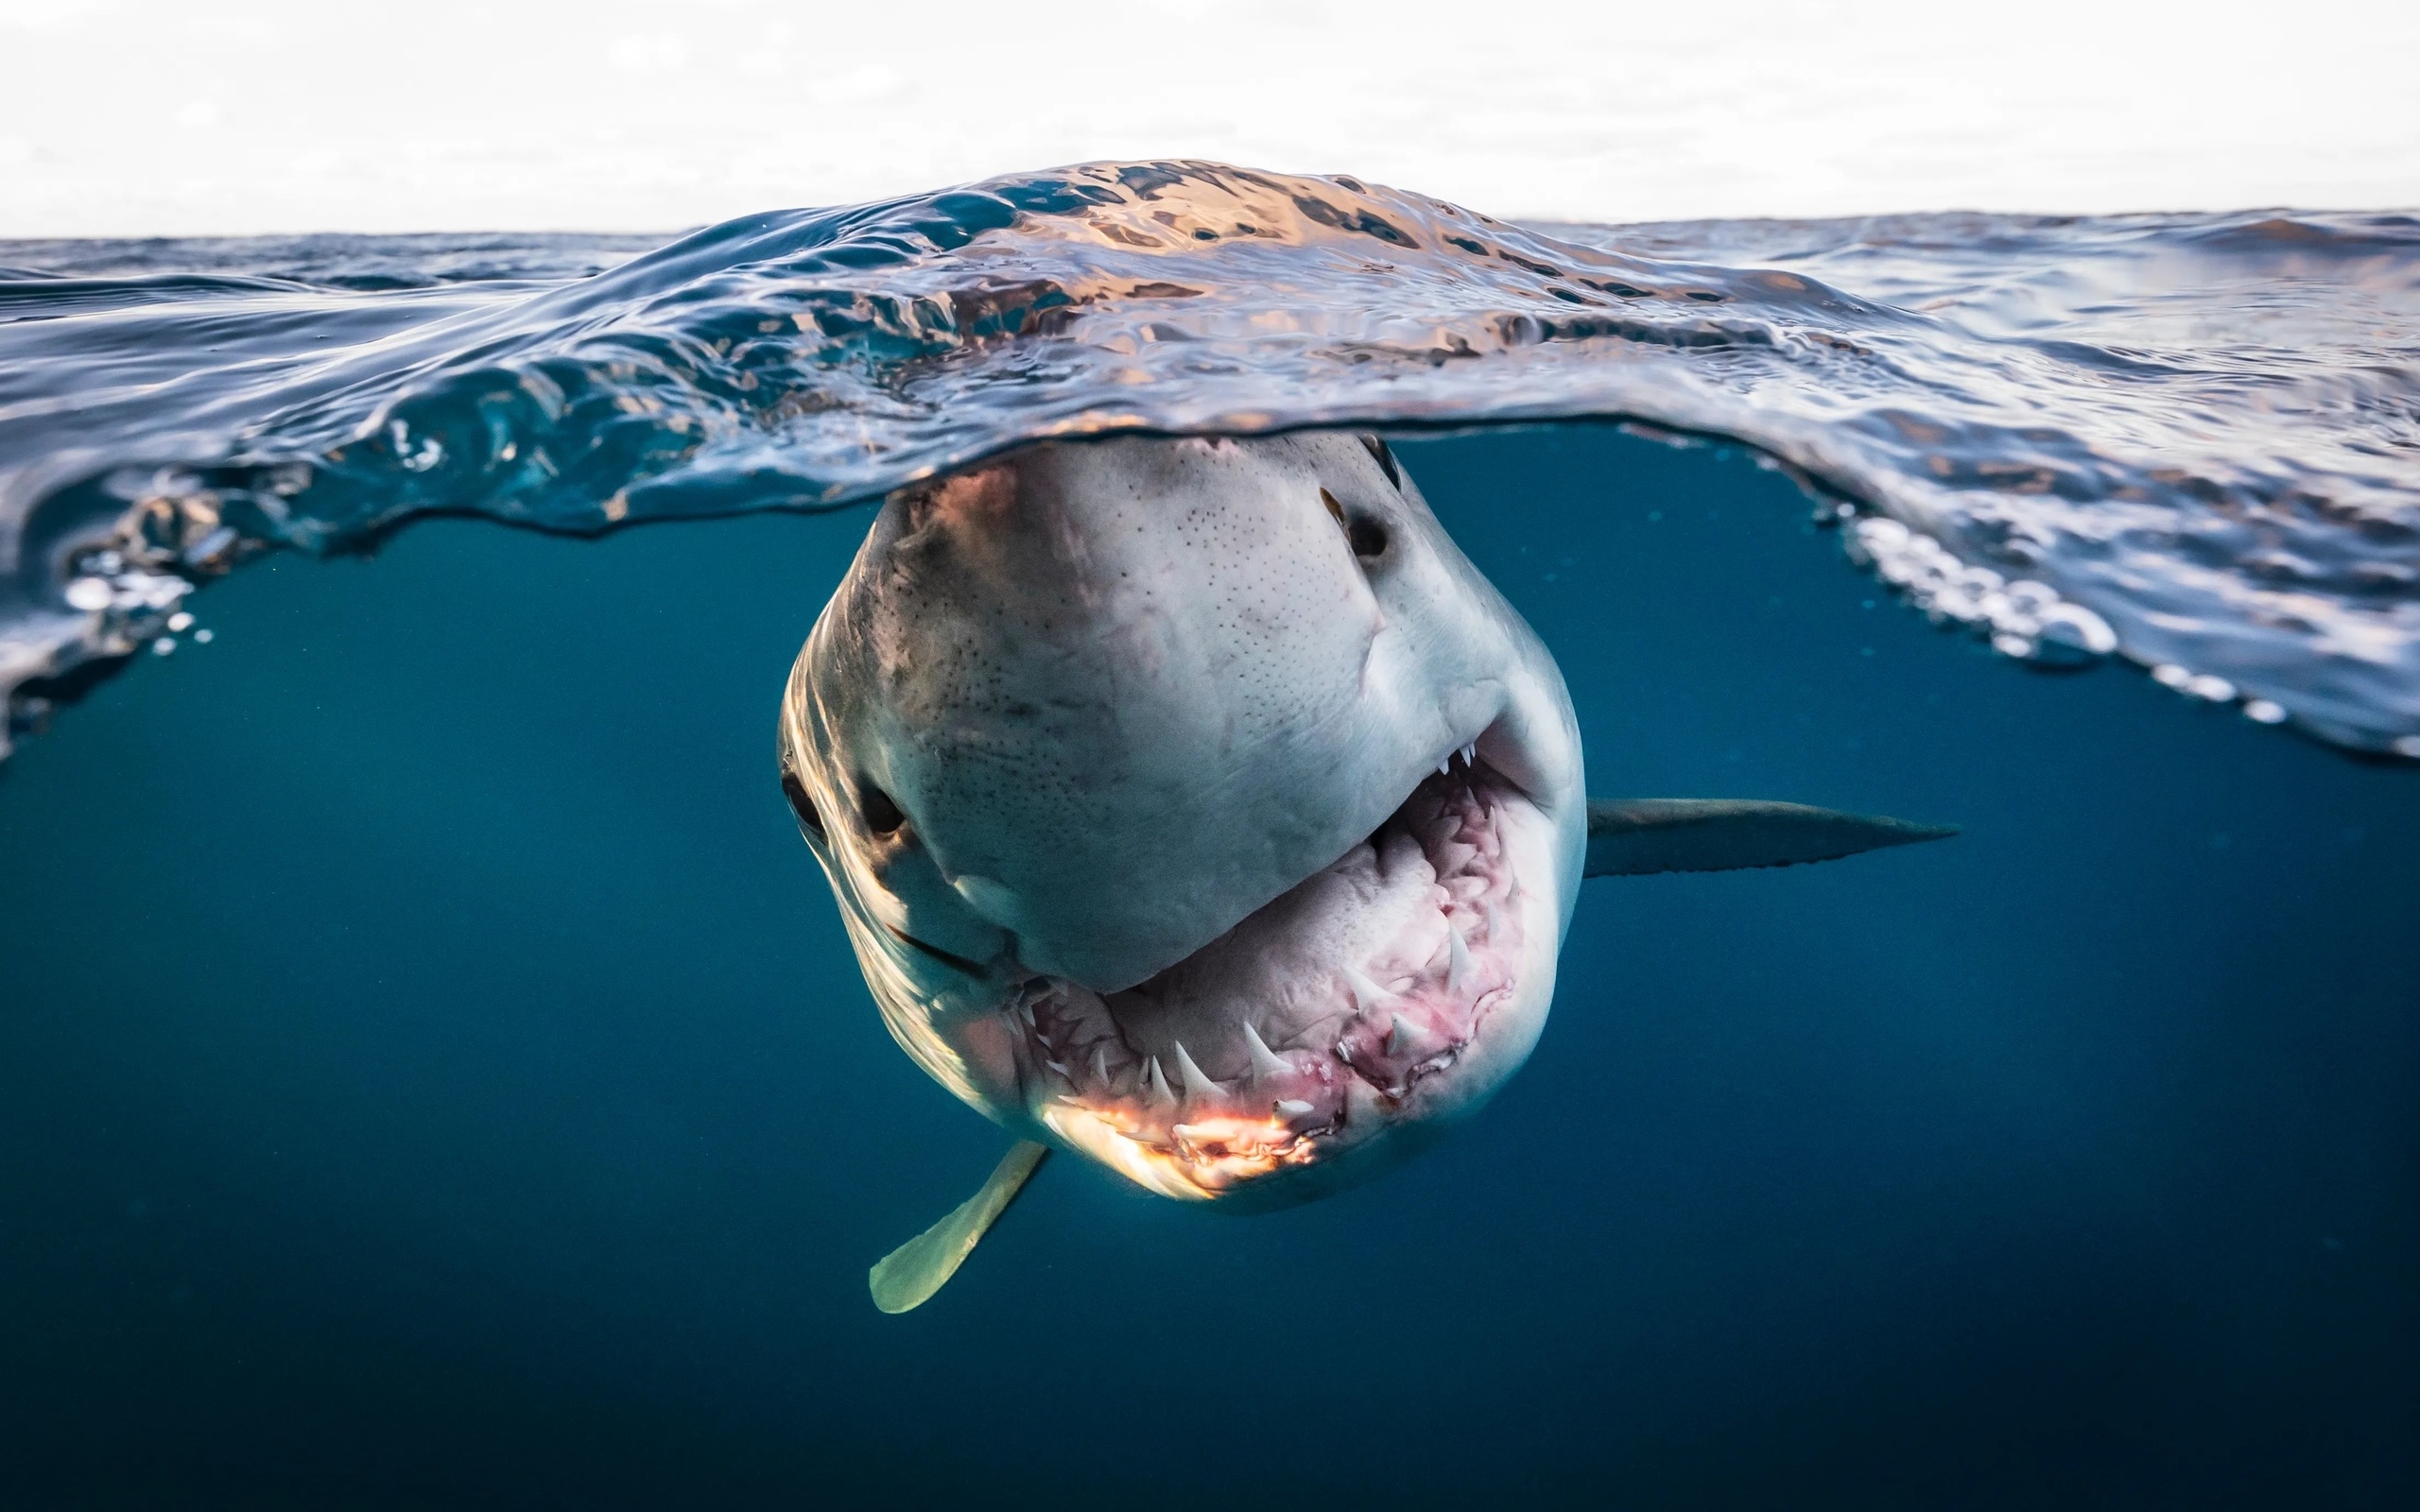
(1193,805)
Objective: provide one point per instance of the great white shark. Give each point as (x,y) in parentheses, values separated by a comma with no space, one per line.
(1196,807)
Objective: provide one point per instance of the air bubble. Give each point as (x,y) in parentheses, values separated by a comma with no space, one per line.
(164,645)
(1879,535)
(89,593)
(2262,712)
(2077,629)
(180,622)
(153,590)
(2025,619)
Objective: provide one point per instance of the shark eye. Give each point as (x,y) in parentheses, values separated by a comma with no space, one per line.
(1385,460)
(1362,532)
(800,805)
(882,815)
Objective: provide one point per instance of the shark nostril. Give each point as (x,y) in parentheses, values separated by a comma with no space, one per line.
(1364,534)
(882,815)
(1335,512)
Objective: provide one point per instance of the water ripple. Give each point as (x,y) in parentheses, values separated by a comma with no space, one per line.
(2194,439)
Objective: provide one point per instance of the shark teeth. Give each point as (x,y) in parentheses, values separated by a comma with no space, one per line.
(1403,1010)
(1265,1062)
(1367,994)
(1458,970)
(1197,1084)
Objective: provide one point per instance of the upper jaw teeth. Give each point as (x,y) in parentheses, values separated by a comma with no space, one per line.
(1468,753)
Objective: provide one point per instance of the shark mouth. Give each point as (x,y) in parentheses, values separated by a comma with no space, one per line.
(1336,1011)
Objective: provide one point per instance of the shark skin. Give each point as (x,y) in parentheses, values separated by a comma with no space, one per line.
(1195,807)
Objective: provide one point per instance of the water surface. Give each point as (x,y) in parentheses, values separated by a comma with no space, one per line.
(2190,440)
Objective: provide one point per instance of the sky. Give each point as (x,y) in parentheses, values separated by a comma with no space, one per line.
(143,117)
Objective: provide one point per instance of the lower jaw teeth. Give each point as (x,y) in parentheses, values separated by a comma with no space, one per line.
(1265,1062)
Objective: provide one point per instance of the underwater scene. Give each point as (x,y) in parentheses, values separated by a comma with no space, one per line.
(435,1072)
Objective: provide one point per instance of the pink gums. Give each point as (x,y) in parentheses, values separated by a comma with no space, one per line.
(1244,1058)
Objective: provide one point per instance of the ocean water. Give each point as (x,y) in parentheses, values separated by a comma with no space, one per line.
(432,1074)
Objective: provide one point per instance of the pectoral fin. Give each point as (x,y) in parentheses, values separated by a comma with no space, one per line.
(1635,836)
(905,1277)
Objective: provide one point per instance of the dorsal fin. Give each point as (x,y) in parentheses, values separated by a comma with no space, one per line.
(1634,837)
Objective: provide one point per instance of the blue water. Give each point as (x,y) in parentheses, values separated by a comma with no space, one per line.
(433,1075)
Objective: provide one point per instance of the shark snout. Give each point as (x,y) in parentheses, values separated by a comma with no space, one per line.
(1197,804)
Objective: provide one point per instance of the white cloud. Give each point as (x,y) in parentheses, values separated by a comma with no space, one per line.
(626,113)
(649,52)
(51,15)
